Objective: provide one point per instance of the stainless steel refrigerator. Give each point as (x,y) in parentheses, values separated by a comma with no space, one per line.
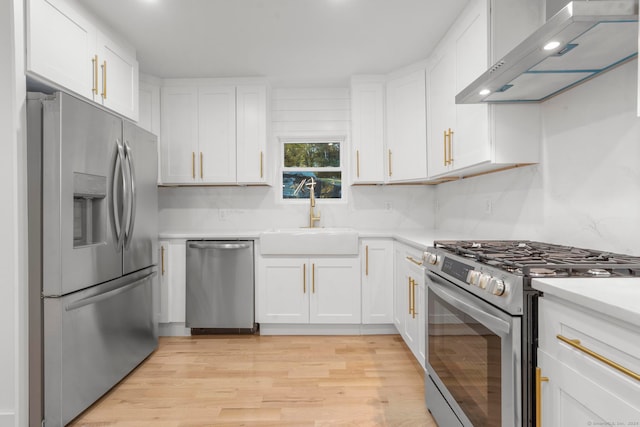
(92,205)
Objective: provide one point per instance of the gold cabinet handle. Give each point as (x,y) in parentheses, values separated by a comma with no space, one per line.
(313,278)
(413,293)
(201,167)
(410,299)
(390,170)
(576,344)
(104,79)
(366,258)
(94,62)
(413,260)
(358,163)
(539,380)
(304,278)
(450,145)
(162,258)
(444,150)
(193,164)
(261,164)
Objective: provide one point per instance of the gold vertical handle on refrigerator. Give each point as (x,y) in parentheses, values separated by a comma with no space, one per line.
(261,164)
(104,79)
(539,380)
(304,278)
(313,278)
(390,169)
(162,258)
(94,62)
(201,167)
(366,260)
(193,164)
(358,163)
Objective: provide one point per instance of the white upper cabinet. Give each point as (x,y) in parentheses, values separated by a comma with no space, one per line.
(467,139)
(213,132)
(66,48)
(367,129)
(406,127)
(252,134)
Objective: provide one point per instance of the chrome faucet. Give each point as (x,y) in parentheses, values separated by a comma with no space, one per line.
(312,202)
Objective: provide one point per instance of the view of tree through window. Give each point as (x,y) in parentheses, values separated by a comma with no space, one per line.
(305,163)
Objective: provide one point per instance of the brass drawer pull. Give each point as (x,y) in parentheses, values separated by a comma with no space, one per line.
(539,380)
(576,344)
(413,260)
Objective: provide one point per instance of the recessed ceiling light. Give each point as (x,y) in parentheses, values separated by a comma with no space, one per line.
(551,45)
(484,92)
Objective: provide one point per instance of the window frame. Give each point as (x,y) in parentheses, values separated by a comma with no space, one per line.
(340,139)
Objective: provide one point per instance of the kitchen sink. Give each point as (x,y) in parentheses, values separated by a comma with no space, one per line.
(309,241)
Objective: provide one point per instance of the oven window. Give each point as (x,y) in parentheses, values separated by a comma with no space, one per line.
(466,357)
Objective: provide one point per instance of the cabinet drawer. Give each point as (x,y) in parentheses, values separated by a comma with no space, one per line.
(607,338)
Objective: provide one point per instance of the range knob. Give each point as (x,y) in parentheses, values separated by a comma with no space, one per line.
(473,276)
(497,286)
(484,280)
(430,258)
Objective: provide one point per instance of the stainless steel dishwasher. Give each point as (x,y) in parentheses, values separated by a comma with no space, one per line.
(220,286)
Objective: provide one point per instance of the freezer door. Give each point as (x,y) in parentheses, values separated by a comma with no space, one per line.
(79,151)
(141,220)
(93,339)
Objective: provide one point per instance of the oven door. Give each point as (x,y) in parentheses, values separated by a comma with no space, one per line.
(473,357)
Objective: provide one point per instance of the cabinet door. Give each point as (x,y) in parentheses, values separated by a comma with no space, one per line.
(61,46)
(252,133)
(216,157)
(400,294)
(406,128)
(173,283)
(118,82)
(163,290)
(367,132)
(335,290)
(571,398)
(421,315)
(283,290)
(442,110)
(149,115)
(377,281)
(411,323)
(179,108)
(470,141)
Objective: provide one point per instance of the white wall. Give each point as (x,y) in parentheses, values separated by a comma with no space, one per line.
(297,112)
(586,190)
(13,313)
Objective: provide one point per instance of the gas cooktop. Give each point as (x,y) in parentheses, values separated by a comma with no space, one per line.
(536,259)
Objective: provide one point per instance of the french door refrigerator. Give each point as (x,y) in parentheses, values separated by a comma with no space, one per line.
(92,206)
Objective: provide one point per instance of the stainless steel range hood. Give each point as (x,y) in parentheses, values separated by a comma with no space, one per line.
(593,37)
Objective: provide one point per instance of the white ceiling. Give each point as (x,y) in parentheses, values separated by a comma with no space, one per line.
(292,42)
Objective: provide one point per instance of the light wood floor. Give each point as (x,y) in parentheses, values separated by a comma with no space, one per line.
(269,381)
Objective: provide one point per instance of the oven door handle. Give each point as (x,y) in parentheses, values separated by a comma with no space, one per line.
(492,322)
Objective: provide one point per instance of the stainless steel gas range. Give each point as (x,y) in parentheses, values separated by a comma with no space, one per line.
(481,327)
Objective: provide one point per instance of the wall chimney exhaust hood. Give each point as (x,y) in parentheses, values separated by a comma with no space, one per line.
(581,41)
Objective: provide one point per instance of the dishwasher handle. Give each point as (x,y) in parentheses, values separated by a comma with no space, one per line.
(219,245)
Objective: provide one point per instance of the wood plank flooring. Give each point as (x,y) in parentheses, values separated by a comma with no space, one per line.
(299,381)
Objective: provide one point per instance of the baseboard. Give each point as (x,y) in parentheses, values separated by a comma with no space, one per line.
(296,329)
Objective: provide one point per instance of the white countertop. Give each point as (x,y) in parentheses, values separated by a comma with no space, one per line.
(616,297)
(420,239)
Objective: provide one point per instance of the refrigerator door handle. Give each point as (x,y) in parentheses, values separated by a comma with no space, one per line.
(118,196)
(109,294)
(131,212)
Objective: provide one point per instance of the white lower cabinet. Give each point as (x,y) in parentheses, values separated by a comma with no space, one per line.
(172,282)
(409,297)
(323,290)
(377,281)
(577,387)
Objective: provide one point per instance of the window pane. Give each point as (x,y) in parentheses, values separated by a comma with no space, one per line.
(312,155)
(296,185)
